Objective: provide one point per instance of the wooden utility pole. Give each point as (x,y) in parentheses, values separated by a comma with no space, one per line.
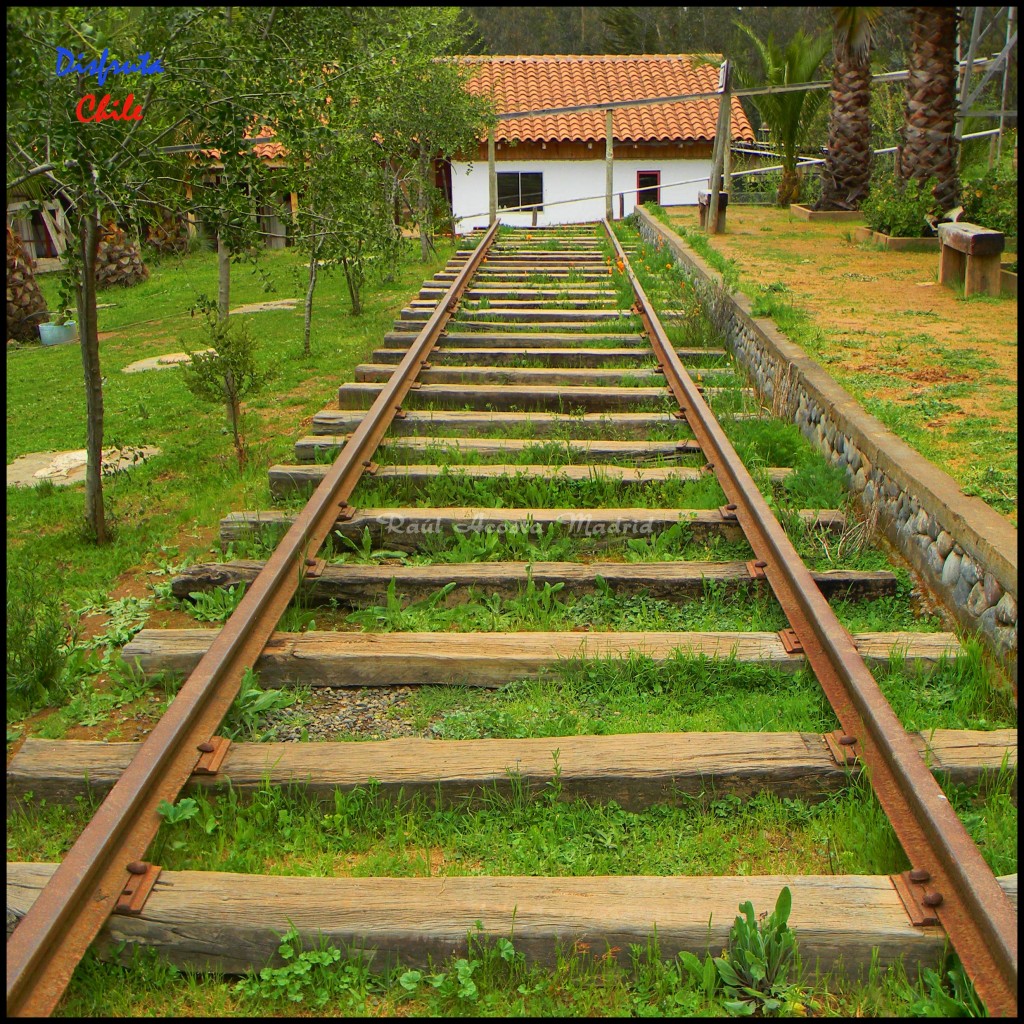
(492,179)
(723,132)
(608,167)
(727,166)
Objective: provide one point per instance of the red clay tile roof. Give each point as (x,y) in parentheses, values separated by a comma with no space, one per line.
(534,83)
(264,150)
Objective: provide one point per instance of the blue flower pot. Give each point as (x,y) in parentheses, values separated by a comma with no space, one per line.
(58,334)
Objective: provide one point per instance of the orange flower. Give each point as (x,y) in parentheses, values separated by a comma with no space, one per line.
(620,265)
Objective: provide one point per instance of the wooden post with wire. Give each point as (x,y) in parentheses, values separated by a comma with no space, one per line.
(608,166)
(492,179)
(722,133)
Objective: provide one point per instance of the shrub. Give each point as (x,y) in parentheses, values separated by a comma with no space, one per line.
(991,201)
(40,668)
(228,372)
(900,208)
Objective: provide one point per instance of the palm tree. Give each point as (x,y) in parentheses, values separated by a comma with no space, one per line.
(929,148)
(847,171)
(789,113)
(26,307)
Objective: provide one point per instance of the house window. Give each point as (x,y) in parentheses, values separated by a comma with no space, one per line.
(521,188)
(648,187)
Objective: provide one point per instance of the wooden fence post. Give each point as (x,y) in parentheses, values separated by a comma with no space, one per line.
(492,179)
(722,133)
(608,167)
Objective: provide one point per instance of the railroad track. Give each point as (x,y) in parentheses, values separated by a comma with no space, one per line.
(523,338)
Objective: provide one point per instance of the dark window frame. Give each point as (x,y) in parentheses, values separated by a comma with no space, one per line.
(517,196)
(656,188)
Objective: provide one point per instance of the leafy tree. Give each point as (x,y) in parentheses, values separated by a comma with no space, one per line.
(790,114)
(427,114)
(91,167)
(847,172)
(122,168)
(365,126)
(633,30)
(227,373)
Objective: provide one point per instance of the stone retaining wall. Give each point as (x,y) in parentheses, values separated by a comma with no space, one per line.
(964,551)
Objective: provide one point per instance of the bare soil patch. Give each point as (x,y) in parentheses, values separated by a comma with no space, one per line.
(886,330)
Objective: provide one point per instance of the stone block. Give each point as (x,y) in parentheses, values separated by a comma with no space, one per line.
(993,591)
(944,542)
(1006,610)
(987,621)
(933,559)
(961,592)
(976,603)
(969,570)
(951,569)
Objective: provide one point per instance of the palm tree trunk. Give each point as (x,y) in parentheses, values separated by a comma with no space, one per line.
(789,187)
(929,148)
(26,307)
(847,171)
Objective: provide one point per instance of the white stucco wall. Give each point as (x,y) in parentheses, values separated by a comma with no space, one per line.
(568,183)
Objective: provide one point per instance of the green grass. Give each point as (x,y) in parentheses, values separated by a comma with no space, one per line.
(518,491)
(364,832)
(492,979)
(167,510)
(543,608)
(178,496)
(990,474)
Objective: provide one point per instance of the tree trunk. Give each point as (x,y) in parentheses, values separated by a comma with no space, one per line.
(88,240)
(789,187)
(118,260)
(309,294)
(847,171)
(929,148)
(234,409)
(26,307)
(354,283)
(223,278)
(426,244)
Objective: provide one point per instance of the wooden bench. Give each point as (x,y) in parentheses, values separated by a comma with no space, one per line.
(970,254)
(704,201)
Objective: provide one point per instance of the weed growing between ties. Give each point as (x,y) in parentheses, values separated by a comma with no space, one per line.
(450,488)
(541,608)
(492,977)
(719,608)
(362,832)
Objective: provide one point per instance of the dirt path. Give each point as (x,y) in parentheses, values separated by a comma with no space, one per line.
(939,371)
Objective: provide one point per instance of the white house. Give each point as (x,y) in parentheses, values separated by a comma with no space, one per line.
(556,163)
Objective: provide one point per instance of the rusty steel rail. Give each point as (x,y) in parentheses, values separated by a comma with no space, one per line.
(949,875)
(55,933)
